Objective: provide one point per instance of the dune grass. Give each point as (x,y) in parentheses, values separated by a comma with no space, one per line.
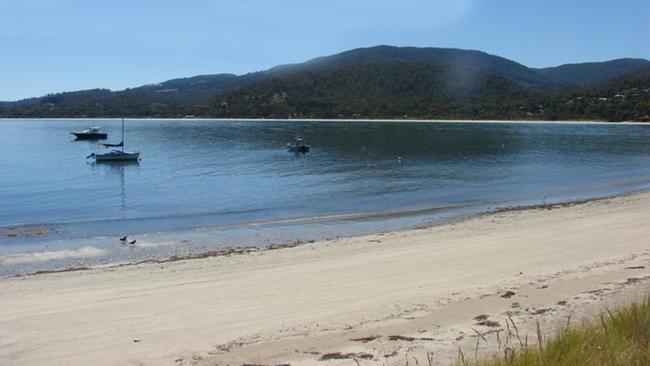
(620,337)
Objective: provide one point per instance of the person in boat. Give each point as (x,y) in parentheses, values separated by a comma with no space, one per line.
(298,145)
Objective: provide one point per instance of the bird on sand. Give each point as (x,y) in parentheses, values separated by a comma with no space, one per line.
(132,241)
(123,238)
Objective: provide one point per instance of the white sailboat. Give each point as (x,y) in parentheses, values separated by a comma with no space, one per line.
(116,155)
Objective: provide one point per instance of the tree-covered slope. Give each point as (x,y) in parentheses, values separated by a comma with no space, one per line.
(172,96)
(381,81)
(431,90)
(593,72)
(376,90)
(626,98)
(456,57)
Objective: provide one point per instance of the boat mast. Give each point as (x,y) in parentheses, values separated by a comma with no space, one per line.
(122,134)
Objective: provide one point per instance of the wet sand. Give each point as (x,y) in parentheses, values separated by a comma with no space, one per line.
(375,299)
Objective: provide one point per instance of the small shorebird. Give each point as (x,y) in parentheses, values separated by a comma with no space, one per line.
(132,241)
(123,238)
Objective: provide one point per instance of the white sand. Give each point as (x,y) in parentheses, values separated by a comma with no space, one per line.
(294,305)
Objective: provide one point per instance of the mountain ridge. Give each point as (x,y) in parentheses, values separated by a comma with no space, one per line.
(203,95)
(593,72)
(323,61)
(454,56)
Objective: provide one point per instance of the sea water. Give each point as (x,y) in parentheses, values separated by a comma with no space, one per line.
(205,184)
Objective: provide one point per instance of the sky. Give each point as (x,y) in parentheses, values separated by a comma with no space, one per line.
(62,45)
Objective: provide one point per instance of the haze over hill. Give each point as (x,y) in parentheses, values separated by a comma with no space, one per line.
(377,82)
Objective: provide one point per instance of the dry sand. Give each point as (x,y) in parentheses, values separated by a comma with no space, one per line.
(382,298)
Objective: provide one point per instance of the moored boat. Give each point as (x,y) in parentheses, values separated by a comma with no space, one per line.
(116,155)
(93,133)
(298,146)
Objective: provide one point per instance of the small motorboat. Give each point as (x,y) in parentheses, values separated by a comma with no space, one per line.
(93,133)
(298,146)
(116,155)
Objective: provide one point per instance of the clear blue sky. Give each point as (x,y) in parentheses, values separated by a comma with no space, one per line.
(59,45)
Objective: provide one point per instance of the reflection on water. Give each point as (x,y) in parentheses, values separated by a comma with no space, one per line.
(118,169)
(197,174)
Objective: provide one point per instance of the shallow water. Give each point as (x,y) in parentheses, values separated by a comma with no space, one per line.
(207,184)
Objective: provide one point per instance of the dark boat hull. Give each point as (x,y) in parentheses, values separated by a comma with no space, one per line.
(90,136)
(298,148)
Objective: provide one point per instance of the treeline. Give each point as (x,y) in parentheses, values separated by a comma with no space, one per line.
(428,90)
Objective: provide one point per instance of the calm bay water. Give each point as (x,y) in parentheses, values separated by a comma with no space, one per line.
(206,184)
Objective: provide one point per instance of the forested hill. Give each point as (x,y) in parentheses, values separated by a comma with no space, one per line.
(377,82)
(454,57)
(593,72)
(377,90)
(431,90)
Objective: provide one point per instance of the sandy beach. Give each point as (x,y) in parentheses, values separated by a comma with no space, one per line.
(377,299)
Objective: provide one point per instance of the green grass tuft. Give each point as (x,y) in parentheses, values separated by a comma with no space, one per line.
(615,338)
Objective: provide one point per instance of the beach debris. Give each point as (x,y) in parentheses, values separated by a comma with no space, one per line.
(483,320)
(508,294)
(365,339)
(136,341)
(488,323)
(541,311)
(12,232)
(392,354)
(255,364)
(599,291)
(132,241)
(635,267)
(49,271)
(635,280)
(562,302)
(227,347)
(408,339)
(345,356)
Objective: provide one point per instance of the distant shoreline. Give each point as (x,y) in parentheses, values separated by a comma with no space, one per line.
(364,120)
